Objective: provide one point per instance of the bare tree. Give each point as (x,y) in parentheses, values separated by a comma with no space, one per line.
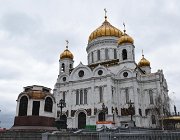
(162,108)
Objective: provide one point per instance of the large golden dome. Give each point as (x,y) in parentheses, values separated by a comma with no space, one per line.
(125,38)
(66,54)
(143,62)
(106,29)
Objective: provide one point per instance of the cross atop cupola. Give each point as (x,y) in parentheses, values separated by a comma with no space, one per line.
(67,42)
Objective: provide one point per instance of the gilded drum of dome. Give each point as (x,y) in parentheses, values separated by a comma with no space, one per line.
(106,29)
(66,54)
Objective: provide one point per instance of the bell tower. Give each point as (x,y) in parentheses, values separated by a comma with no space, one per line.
(144,64)
(126,48)
(66,61)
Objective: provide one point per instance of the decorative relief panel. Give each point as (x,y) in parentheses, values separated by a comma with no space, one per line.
(73,113)
(88,111)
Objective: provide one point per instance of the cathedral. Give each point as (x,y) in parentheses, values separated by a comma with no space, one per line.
(112,88)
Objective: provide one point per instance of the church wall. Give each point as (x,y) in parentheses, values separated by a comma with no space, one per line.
(108,93)
(17,108)
(93,96)
(108,83)
(45,113)
(70,122)
(41,109)
(29,111)
(120,80)
(130,52)
(117,69)
(155,86)
(140,99)
(131,85)
(67,63)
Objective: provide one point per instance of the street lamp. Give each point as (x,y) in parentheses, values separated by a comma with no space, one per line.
(103,106)
(61,104)
(131,109)
(131,112)
(61,122)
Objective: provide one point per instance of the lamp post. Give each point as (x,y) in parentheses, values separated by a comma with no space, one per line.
(61,123)
(61,104)
(104,111)
(131,109)
(131,112)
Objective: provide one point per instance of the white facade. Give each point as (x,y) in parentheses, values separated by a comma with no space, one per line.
(113,80)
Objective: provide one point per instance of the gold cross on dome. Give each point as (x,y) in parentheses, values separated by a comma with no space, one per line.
(105,12)
(124,27)
(67,42)
(142,53)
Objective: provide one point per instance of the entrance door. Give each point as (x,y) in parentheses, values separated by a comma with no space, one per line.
(35,110)
(81,120)
(101,116)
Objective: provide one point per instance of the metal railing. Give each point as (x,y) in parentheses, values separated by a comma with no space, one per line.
(130,135)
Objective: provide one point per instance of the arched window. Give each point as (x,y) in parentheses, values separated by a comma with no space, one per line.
(101,94)
(151,97)
(64,95)
(63,67)
(85,96)
(98,54)
(124,54)
(23,106)
(70,68)
(92,57)
(153,119)
(77,97)
(115,54)
(127,95)
(106,54)
(48,104)
(81,96)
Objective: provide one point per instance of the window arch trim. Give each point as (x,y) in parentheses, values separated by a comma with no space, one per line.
(124,54)
(48,104)
(23,105)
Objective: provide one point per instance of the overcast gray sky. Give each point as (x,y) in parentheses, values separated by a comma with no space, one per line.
(33,34)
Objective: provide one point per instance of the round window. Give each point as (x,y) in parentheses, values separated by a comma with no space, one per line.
(81,73)
(100,72)
(125,74)
(64,79)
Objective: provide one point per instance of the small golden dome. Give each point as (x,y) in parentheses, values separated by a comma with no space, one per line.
(66,54)
(143,62)
(125,38)
(106,29)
